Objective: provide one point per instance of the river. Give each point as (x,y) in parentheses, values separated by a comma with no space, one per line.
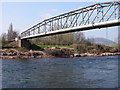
(78,72)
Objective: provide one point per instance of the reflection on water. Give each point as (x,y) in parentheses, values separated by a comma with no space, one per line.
(80,72)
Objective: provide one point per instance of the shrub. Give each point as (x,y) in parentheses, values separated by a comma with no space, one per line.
(64,52)
(82,48)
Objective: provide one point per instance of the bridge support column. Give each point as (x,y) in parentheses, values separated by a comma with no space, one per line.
(24,43)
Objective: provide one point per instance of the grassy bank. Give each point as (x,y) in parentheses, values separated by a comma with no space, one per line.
(49,46)
(75,50)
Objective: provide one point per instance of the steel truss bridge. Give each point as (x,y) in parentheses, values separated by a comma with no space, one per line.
(99,15)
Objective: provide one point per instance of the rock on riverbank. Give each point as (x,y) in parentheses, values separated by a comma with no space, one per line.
(48,53)
(95,54)
(13,53)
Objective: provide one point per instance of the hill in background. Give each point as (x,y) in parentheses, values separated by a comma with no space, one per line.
(103,41)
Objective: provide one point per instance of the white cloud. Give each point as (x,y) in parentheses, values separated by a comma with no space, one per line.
(49,13)
(46,15)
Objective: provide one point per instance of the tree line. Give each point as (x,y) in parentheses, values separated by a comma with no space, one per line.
(10,35)
(5,38)
(62,39)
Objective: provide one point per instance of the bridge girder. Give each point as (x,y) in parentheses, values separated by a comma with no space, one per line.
(91,15)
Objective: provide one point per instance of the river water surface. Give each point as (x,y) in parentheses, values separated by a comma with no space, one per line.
(79,72)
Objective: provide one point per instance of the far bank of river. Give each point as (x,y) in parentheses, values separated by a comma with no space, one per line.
(14,54)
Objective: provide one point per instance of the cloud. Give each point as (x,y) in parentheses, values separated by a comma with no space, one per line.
(46,15)
(49,13)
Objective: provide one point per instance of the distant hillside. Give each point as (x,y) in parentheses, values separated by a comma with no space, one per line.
(103,41)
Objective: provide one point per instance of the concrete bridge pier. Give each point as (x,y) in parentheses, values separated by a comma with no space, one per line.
(23,43)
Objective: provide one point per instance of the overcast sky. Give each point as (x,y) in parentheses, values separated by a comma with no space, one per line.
(26,14)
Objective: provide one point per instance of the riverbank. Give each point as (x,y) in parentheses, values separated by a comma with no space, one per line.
(13,54)
(48,53)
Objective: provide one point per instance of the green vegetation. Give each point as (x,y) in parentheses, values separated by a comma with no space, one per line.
(22,49)
(9,44)
(61,39)
(60,52)
(49,46)
(7,39)
(82,48)
(96,48)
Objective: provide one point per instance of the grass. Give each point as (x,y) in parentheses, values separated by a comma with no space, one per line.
(49,46)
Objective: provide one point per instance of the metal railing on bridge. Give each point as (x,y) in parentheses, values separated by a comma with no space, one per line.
(97,13)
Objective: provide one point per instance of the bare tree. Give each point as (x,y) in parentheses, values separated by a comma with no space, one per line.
(10,32)
(79,37)
(4,37)
(11,35)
